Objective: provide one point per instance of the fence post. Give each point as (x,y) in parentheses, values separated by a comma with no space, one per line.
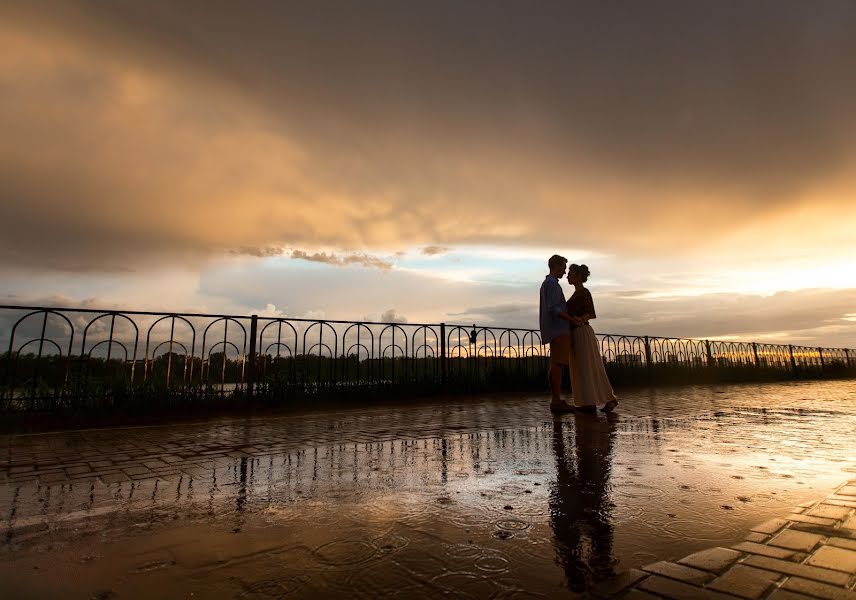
(820,354)
(755,352)
(251,370)
(443,353)
(847,355)
(648,364)
(709,353)
(793,362)
(6,380)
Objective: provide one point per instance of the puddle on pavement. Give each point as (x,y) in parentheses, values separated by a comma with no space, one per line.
(540,509)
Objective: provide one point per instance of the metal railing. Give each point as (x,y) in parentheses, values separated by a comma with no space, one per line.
(78,358)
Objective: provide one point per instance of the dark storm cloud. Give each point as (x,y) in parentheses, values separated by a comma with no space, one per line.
(185,127)
(743,91)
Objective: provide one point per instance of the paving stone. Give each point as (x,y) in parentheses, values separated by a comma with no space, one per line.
(796,540)
(53,478)
(771,526)
(830,557)
(841,501)
(842,543)
(138,470)
(639,595)
(789,568)
(754,536)
(744,581)
(818,590)
(44,465)
(167,474)
(812,520)
(154,464)
(847,490)
(676,590)
(114,478)
(619,583)
(80,477)
(786,595)
(40,472)
(715,559)
(850,523)
(764,550)
(675,571)
(100,464)
(78,470)
(841,532)
(830,511)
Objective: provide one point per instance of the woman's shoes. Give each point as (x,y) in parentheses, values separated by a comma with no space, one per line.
(562,408)
(609,406)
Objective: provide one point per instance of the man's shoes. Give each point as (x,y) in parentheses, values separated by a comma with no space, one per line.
(609,406)
(562,408)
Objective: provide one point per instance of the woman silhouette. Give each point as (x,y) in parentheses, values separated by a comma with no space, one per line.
(589,381)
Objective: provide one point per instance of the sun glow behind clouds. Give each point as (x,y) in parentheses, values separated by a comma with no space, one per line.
(656,279)
(510,266)
(762,278)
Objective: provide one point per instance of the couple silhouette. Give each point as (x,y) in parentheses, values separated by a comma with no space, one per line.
(573,343)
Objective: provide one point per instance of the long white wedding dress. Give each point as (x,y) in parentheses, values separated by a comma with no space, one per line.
(589,382)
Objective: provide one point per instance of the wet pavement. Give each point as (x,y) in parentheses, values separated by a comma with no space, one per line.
(486,497)
(811,553)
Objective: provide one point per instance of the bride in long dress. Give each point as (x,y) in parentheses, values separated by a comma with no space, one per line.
(589,381)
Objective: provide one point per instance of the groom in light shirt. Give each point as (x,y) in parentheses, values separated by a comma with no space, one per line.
(555,329)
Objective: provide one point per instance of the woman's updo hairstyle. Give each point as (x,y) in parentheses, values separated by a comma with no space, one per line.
(581,270)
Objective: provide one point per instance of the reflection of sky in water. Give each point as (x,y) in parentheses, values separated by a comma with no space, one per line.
(492,489)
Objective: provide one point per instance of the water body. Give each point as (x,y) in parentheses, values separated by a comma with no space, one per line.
(486,497)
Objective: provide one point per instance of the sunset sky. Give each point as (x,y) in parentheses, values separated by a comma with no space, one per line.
(422,160)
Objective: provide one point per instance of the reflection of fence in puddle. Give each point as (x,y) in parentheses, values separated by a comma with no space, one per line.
(488,465)
(59,358)
(331,472)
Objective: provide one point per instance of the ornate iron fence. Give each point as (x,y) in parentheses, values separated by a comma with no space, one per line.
(79,358)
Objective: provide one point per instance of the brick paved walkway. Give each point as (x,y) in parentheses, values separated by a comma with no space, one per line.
(132,453)
(811,553)
(493,491)
(113,455)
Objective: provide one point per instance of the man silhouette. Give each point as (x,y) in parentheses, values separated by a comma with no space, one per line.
(555,329)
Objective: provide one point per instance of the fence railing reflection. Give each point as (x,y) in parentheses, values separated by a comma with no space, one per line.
(69,358)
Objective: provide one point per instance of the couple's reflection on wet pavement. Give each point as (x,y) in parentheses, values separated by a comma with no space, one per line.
(580,506)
